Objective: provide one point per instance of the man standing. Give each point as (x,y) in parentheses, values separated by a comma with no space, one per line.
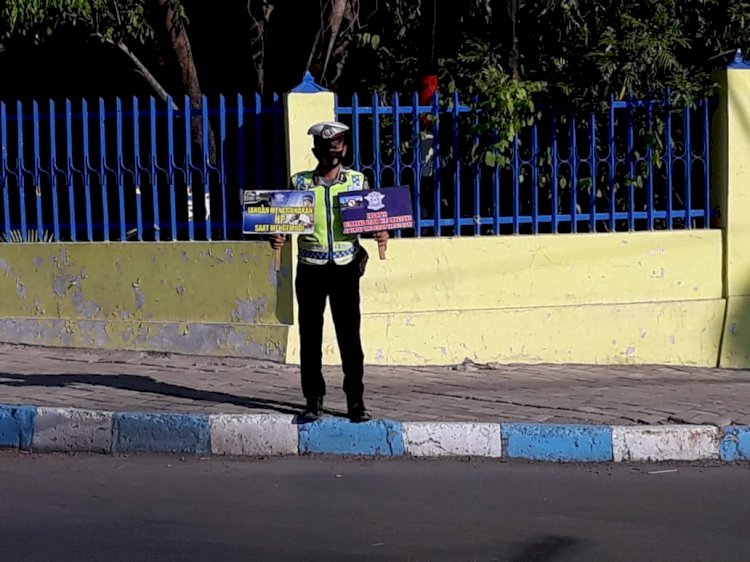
(329,266)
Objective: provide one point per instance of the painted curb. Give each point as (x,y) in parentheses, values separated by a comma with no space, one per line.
(160,433)
(338,436)
(17,426)
(735,445)
(557,442)
(71,430)
(254,435)
(665,443)
(66,430)
(448,439)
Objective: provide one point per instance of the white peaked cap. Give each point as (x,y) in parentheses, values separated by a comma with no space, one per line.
(327,129)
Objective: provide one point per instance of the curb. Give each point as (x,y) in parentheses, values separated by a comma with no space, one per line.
(71,430)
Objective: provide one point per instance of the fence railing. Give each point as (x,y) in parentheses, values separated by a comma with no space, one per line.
(116,170)
(135,169)
(638,165)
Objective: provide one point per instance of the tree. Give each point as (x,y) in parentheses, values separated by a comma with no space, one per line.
(126,26)
(513,54)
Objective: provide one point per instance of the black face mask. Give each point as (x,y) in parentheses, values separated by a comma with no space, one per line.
(330,156)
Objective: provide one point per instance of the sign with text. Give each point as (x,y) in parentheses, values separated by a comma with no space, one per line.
(278,212)
(374,210)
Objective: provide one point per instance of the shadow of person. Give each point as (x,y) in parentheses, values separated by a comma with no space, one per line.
(140,383)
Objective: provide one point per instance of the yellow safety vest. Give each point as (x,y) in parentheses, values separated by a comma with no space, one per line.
(328,243)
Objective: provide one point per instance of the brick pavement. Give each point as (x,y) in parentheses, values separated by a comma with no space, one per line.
(135,381)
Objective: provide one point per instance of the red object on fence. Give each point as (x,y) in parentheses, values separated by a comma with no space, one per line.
(428,87)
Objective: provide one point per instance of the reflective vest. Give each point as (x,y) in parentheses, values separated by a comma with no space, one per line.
(328,243)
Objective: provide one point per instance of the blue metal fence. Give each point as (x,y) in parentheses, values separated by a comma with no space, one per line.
(135,169)
(638,165)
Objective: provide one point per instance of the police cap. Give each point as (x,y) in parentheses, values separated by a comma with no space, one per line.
(327,130)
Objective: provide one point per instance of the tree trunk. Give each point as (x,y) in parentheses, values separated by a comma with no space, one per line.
(145,72)
(174,28)
(258,37)
(334,22)
(515,56)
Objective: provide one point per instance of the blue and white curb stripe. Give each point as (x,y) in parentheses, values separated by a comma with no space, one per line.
(16,426)
(665,443)
(70,430)
(254,435)
(428,439)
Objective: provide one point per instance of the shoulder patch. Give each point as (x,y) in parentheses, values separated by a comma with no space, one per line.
(357,181)
(300,181)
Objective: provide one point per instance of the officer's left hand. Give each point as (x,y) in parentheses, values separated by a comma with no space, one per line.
(381,238)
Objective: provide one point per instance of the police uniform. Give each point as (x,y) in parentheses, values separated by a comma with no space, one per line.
(328,267)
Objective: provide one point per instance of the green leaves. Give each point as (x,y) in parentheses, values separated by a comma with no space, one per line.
(104,20)
(506,106)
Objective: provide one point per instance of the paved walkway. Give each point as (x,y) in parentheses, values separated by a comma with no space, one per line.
(134,381)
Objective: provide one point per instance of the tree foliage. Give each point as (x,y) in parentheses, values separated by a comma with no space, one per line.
(576,51)
(512,55)
(106,20)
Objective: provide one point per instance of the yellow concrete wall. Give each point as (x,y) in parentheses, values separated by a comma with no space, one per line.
(192,297)
(430,274)
(677,332)
(606,298)
(735,351)
(652,297)
(731,192)
(736,193)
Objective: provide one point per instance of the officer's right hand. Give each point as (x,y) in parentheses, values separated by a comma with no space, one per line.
(277,241)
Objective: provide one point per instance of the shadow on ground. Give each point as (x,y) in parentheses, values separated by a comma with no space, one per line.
(547,547)
(140,383)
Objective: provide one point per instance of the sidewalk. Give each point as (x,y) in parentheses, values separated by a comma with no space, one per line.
(580,394)
(64,400)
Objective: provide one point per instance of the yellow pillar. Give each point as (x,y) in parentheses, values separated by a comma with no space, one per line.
(305,105)
(731,192)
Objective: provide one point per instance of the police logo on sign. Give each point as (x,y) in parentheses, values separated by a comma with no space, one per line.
(375,201)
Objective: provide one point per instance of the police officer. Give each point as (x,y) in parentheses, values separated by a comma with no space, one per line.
(329,266)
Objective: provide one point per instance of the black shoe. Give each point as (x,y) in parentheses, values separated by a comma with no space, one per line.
(313,410)
(357,411)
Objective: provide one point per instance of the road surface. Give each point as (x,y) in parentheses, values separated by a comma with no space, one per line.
(75,508)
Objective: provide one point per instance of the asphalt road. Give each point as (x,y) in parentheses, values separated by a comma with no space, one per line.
(108,508)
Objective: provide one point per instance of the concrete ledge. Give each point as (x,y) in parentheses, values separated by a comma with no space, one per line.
(73,430)
(668,443)
(255,435)
(66,430)
(434,439)
(255,341)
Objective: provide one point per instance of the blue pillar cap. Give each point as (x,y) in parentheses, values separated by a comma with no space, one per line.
(739,62)
(308,85)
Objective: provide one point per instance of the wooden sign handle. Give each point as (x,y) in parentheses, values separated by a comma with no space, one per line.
(381,251)
(277,259)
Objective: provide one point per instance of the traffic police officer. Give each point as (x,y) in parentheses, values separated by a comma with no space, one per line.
(329,266)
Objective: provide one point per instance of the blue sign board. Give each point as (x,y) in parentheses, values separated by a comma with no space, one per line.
(374,210)
(278,212)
